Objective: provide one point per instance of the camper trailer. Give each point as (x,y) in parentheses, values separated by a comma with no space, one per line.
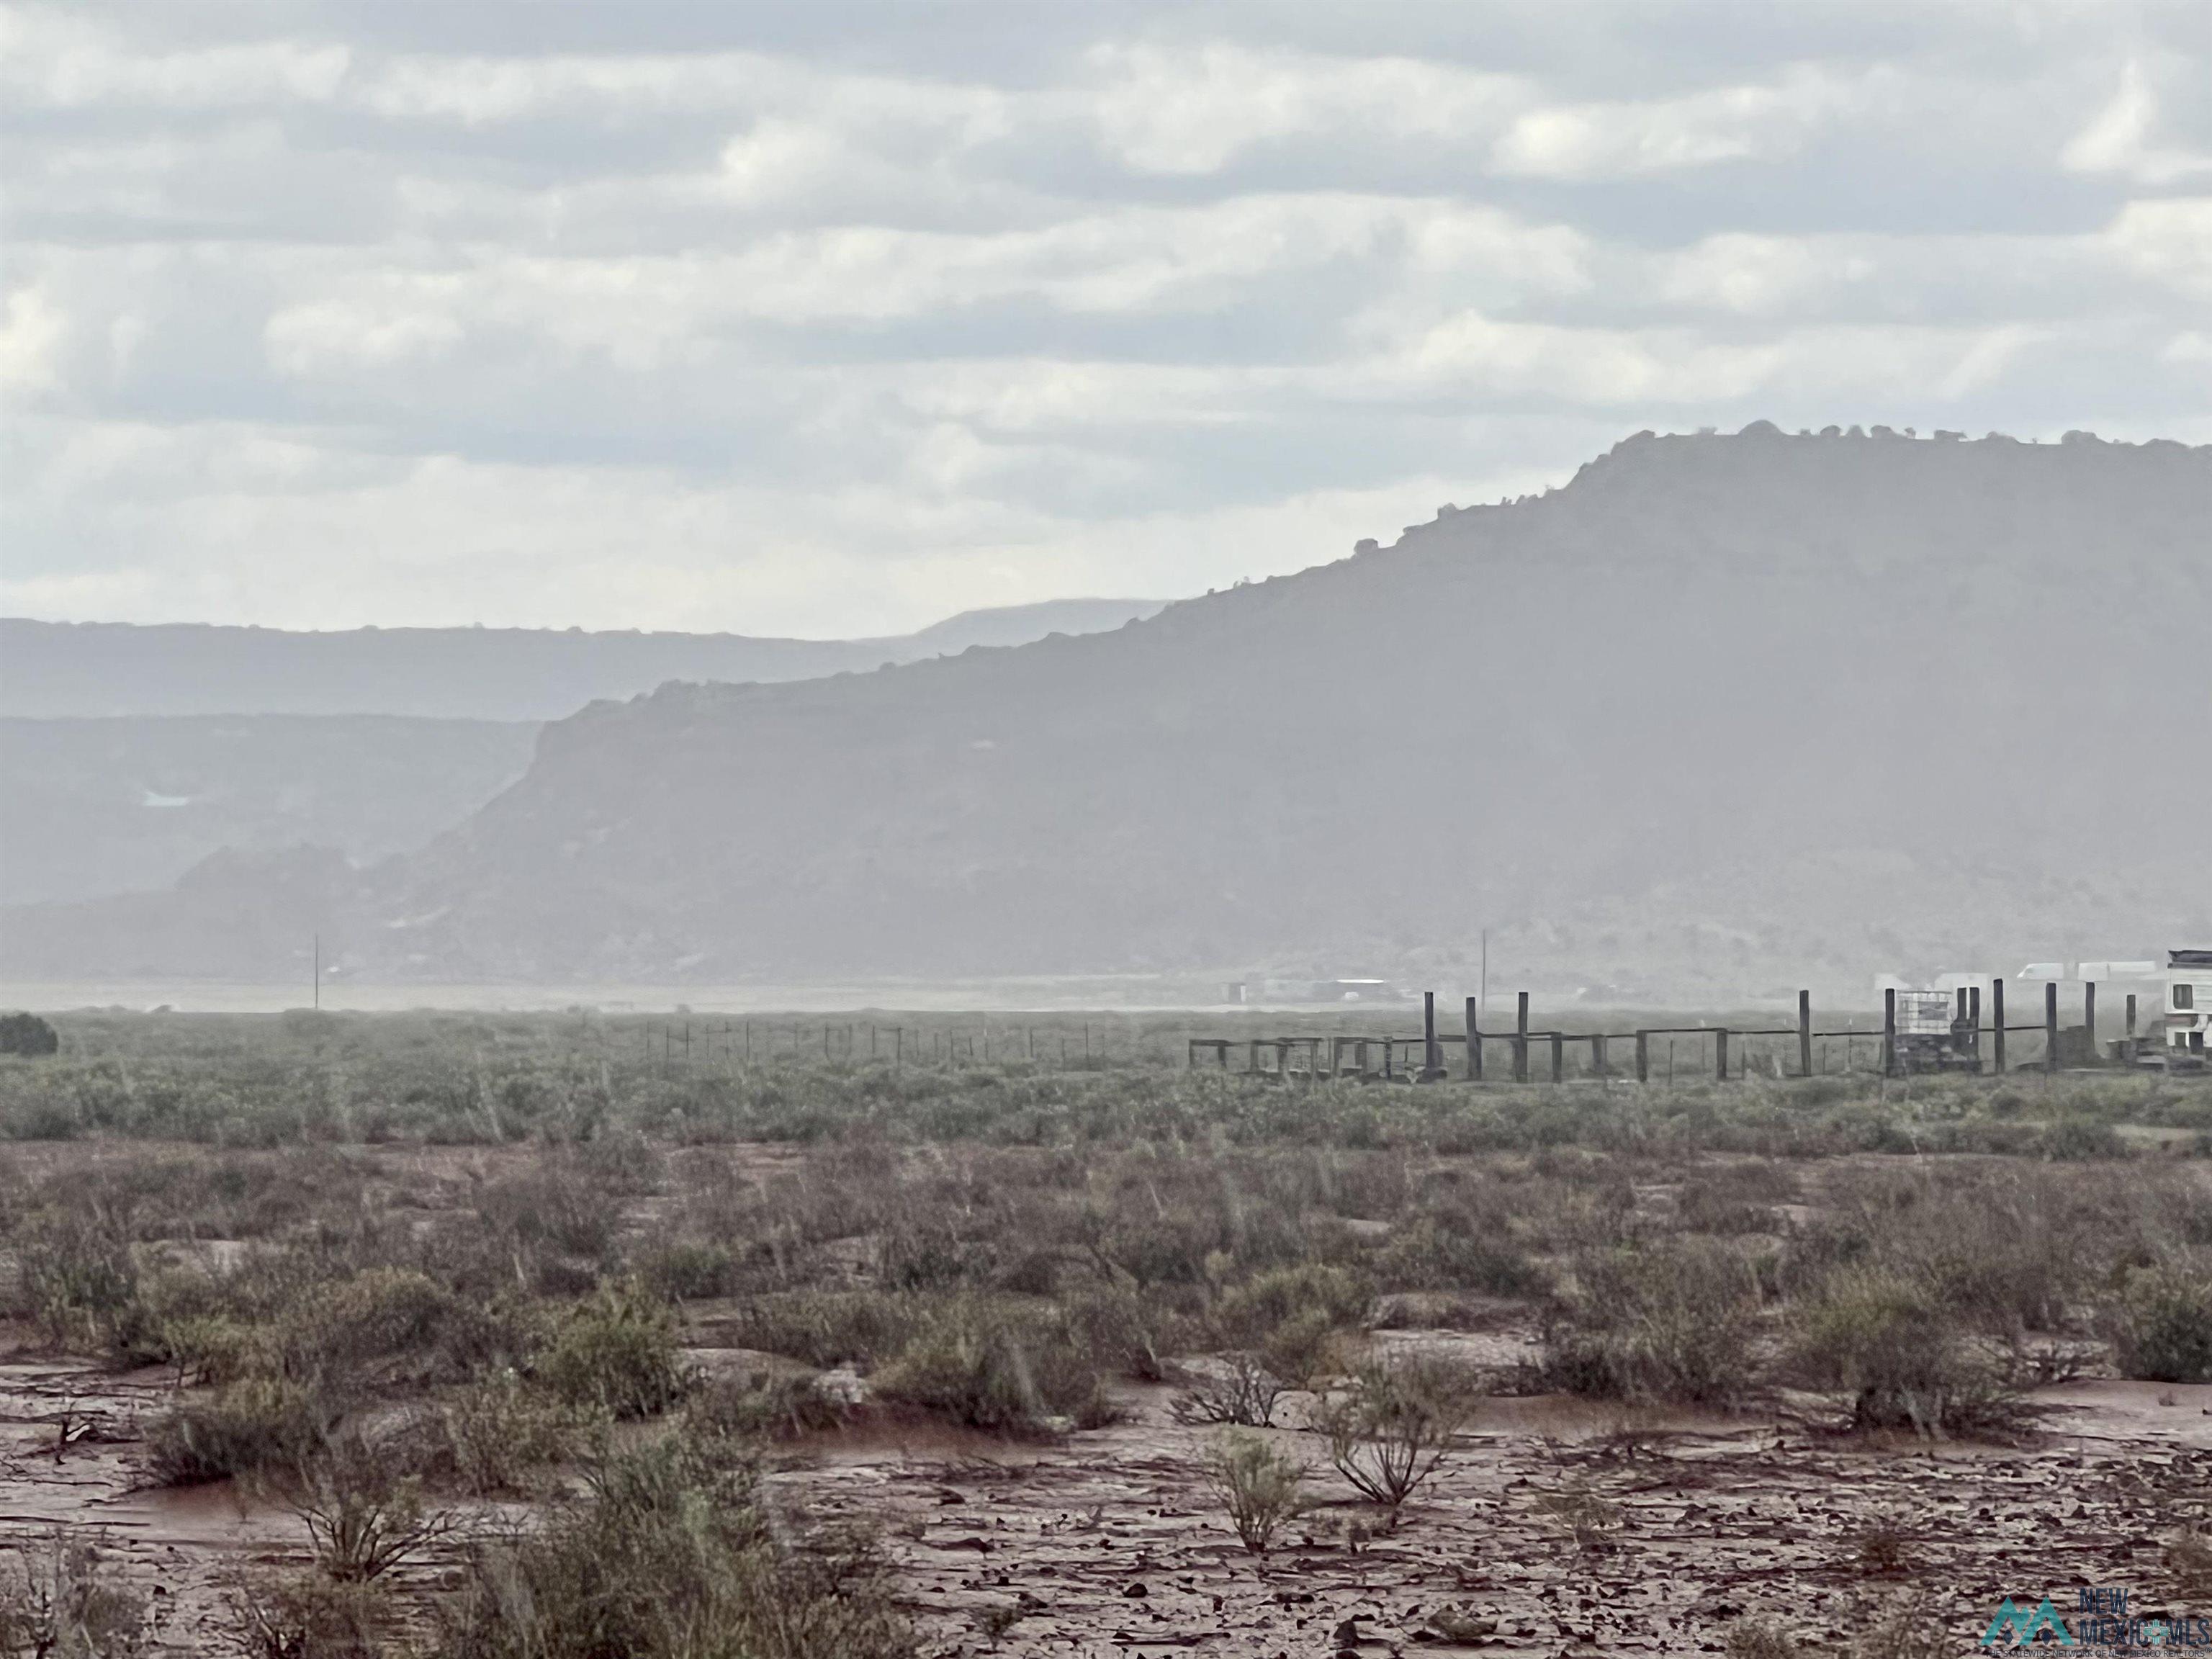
(2188,1003)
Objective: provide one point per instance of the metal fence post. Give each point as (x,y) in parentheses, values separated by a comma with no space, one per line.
(1889,1032)
(2050,1025)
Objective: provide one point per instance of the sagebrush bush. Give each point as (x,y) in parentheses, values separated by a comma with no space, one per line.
(999,1367)
(1898,1354)
(1671,1321)
(768,1405)
(244,1429)
(1260,1485)
(617,1352)
(672,1555)
(1392,1424)
(2162,1327)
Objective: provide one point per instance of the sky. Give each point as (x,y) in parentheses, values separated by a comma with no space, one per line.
(828,321)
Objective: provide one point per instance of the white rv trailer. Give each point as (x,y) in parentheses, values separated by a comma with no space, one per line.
(2188,1001)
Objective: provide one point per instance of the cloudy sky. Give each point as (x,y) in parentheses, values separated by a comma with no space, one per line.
(822,320)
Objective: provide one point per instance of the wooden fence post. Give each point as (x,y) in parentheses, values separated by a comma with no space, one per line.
(1473,1044)
(1597,1053)
(1643,1056)
(1804,1034)
(1558,1055)
(1432,1058)
(1521,1040)
(2050,1025)
(1720,1055)
(1997,1025)
(2089,1014)
(1889,1032)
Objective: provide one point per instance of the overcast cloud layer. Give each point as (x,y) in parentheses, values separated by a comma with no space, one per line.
(829,321)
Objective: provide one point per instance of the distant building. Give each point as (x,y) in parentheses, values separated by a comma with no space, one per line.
(2188,1000)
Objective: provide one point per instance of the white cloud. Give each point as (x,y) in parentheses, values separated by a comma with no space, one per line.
(2168,240)
(31,336)
(312,324)
(60,60)
(1626,138)
(2122,138)
(1184,110)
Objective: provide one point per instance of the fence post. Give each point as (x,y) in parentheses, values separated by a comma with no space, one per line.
(1521,1040)
(1432,1058)
(2089,1014)
(1597,1053)
(1643,1056)
(1974,1021)
(1558,1055)
(1473,1044)
(1720,1055)
(1889,1032)
(1997,1025)
(2050,1025)
(2130,1050)
(1804,1034)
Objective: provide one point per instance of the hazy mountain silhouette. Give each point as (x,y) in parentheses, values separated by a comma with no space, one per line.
(1723,713)
(55,669)
(131,753)
(125,805)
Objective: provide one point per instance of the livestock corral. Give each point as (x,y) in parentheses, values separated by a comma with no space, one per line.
(332,1334)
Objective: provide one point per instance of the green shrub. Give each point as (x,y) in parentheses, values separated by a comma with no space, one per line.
(1899,1354)
(80,1283)
(1260,1303)
(246,1428)
(671,1557)
(768,1404)
(1260,1485)
(1000,1367)
(387,1325)
(501,1433)
(1674,1321)
(1425,1256)
(2163,1327)
(617,1353)
(687,1270)
(825,1328)
(28,1036)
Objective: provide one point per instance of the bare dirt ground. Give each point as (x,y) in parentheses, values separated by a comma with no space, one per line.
(1108,1544)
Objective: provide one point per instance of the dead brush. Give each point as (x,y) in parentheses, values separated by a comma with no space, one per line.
(1583,1517)
(1882,1547)
(2186,1557)
(1758,1638)
(361,1518)
(1238,1388)
(57,1601)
